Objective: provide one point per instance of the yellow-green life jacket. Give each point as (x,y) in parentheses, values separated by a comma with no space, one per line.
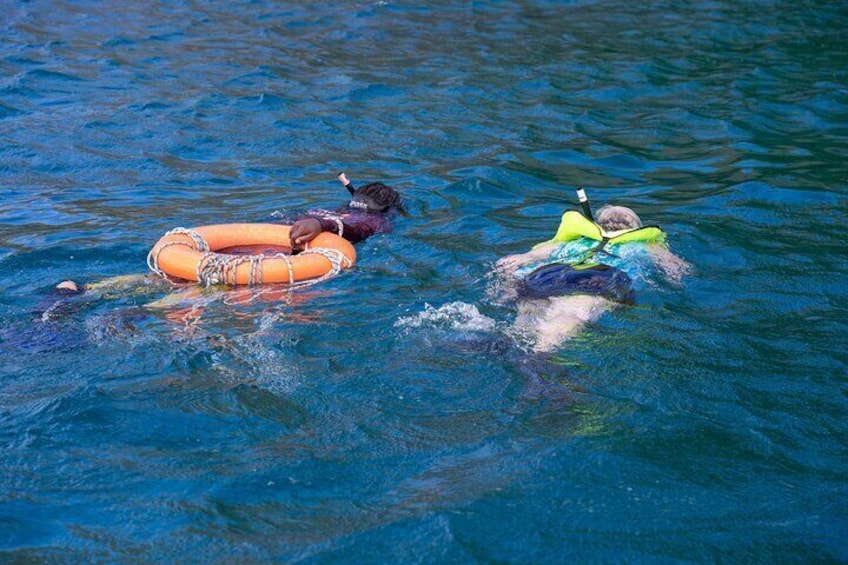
(575,225)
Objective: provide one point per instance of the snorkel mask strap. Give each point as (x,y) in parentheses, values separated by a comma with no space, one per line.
(363,202)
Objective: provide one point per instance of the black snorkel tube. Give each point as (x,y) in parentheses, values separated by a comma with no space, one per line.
(584,202)
(347,184)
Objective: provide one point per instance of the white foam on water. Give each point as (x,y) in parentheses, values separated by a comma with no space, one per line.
(455,316)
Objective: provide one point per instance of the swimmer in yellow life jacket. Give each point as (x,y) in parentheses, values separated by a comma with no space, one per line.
(587,268)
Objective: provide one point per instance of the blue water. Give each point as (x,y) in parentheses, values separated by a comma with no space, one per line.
(388,415)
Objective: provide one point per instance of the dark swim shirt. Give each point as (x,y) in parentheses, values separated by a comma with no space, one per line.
(356,225)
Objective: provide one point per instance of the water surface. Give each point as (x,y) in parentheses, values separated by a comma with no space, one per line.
(388,415)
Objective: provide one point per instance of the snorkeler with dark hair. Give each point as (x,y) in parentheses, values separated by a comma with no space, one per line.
(587,268)
(368,213)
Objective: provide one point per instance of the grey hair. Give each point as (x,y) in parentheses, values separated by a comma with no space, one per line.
(615,218)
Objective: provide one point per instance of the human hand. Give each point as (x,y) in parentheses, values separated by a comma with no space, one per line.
(509,263)
(304,231)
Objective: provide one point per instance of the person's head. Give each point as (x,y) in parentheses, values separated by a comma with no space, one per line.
(376,197)
(616,218)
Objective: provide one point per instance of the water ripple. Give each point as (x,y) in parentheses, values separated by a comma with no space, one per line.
(391,414)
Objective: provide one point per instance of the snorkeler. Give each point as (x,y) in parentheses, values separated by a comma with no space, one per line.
(368,213)
(588,268)
(56,304)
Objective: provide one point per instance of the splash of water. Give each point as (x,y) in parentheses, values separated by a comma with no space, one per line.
(455,316)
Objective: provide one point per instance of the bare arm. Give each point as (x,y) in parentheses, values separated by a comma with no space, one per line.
(505,285)
(352,227)
(508,264)
(673,267)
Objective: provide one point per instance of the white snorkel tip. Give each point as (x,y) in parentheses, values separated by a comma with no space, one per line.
(347,184)
(584,202)
(581,195)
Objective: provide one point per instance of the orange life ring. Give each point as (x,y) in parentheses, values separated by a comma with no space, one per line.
(190,254)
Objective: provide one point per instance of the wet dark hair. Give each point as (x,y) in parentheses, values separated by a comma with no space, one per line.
(384,196)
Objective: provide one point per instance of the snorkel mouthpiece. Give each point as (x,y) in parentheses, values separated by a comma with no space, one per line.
(347,184)
(584,202)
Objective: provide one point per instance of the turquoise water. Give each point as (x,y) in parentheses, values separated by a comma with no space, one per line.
(388,415)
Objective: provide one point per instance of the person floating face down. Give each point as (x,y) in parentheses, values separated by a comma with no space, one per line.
(369,212)
(585,270)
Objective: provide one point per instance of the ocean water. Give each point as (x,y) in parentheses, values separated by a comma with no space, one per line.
(390,415)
